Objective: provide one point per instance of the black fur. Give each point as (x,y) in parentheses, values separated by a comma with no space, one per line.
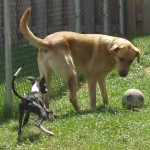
(31,102)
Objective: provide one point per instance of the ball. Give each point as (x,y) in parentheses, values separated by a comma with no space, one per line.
(133,98)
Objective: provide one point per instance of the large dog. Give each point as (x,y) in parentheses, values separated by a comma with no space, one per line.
(67,53)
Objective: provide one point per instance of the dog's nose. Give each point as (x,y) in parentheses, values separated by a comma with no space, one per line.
(123,74)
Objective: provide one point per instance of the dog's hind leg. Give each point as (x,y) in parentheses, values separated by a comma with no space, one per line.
(21,115)
(48,78)
(45,71)
(37,109)
(92,90)
(68,72)
(26,119)
(102,85)
(39,121)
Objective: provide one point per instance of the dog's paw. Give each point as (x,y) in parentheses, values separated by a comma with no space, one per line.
(93,107)
(56,116)
(80,111)
(48,111)
(105,103)
(51,117)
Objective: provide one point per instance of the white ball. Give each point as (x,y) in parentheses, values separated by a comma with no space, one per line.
(133,98)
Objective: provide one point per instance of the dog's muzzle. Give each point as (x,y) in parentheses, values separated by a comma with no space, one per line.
(123,73)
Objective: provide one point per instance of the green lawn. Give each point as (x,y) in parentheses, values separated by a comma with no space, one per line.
(112,128)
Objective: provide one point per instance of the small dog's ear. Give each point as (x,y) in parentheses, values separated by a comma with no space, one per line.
(42,86)
(32,79)
(137,54)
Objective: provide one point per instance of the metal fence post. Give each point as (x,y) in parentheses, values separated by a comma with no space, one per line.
(8,62)
(121,15)
(105,12)
(77,16)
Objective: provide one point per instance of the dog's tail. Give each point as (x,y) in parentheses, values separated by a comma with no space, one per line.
(13,84)
(27,33)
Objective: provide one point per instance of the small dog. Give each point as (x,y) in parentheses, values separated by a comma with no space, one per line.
(32,103)
(68,53)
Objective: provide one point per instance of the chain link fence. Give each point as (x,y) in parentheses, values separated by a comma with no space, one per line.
(48,16)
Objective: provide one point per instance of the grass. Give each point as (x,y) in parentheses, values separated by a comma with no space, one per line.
(107,128)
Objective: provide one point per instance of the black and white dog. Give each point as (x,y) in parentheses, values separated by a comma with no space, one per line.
(32,103)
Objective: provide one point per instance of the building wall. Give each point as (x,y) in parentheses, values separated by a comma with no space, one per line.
(49,16)
(146,16)
(137,16)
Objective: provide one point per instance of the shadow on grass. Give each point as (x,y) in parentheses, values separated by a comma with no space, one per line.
(107,109)
(101,109)
(31,138)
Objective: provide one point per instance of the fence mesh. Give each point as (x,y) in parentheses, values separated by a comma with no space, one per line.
(48,16)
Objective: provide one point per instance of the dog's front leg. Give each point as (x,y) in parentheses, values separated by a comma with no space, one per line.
(92,91)
(102,85)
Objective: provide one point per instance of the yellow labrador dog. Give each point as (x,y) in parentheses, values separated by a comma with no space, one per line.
(67,53)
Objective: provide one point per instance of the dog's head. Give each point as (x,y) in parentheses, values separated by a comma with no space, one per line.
(38,85)
(124,53)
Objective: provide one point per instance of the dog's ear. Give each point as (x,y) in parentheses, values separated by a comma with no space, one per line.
(42,86)
(137,54)
(32,79)
(115,48)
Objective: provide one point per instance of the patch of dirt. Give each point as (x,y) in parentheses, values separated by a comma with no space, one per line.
(147,70)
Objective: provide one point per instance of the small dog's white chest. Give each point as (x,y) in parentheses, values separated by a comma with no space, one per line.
(35,88)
